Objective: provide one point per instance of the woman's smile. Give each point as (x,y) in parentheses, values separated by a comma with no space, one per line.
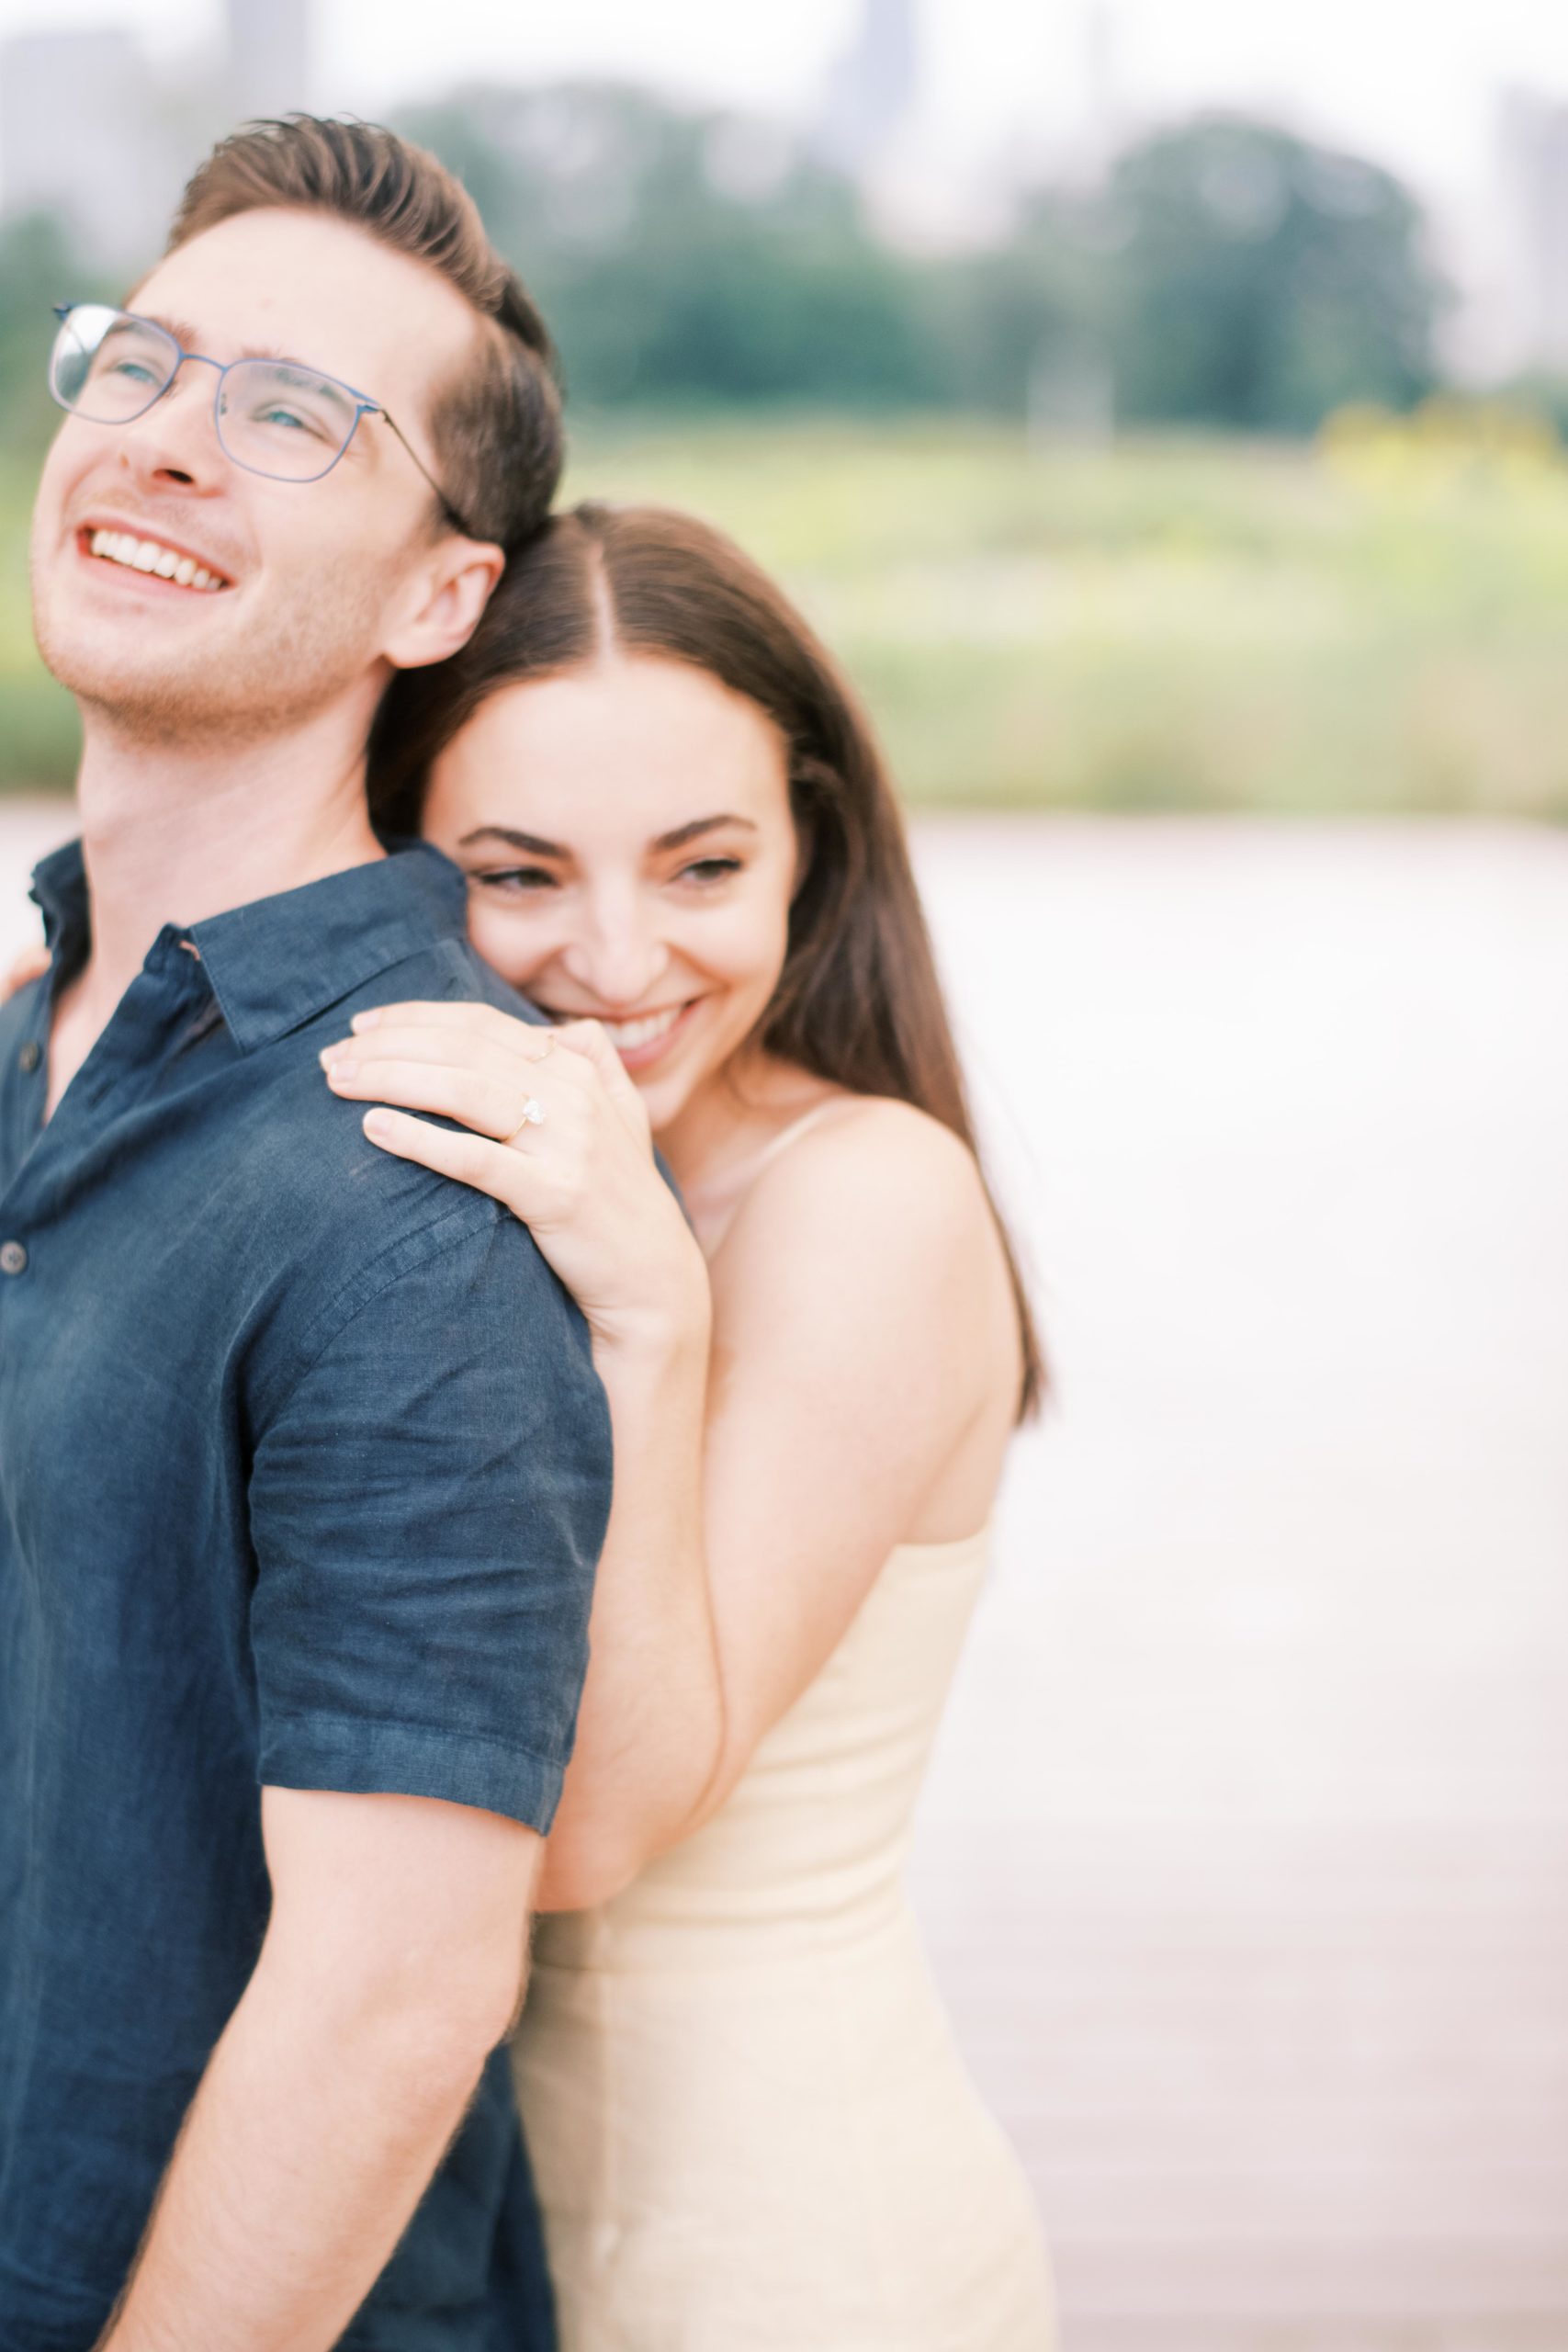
(646,1037)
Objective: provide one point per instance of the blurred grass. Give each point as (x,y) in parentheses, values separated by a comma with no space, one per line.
(1377,623)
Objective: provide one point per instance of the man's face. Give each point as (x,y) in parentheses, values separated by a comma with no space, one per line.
(315,576)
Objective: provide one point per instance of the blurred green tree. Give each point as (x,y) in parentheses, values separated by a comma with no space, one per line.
(1255,280)
(686,257)
(38,267)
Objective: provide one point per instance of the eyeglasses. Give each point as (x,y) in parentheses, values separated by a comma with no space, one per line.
(273,418)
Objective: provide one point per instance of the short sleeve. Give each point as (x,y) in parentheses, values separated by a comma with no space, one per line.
(427,1508)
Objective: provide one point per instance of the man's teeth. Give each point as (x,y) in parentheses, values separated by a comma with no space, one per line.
(150,555)
(625,1036)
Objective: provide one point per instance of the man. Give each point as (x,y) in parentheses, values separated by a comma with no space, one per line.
(303,1466)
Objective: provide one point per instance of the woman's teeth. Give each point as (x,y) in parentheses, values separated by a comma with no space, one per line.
(627,1035)
(149,555)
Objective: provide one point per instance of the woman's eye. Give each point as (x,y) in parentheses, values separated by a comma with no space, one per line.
(709,869)
(516,879)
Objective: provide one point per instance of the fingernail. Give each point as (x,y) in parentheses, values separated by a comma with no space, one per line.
(343,1070)
(329,1054)
(378,1125)
(366,1020)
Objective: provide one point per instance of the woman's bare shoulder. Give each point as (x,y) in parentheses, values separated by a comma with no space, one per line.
(868,1169)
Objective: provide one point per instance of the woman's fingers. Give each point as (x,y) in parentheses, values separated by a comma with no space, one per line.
(443,1048)
(496,1107)
(588,1041)
(30,964)
(478,1020)
(492,1167)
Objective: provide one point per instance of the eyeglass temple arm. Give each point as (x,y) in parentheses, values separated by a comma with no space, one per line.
(447,506)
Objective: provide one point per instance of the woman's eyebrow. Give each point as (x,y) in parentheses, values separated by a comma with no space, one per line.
(534,845)
(684,833)
(530,843)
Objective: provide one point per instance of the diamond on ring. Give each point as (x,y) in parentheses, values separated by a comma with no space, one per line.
(532,1115)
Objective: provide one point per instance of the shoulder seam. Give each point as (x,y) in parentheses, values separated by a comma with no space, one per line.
(405,1256)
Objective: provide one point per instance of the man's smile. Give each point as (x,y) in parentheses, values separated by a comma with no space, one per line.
(151,556)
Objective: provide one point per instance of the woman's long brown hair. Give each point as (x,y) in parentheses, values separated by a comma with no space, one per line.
(858,1001)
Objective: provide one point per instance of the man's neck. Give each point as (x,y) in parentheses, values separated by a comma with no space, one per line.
(176,835)
(172,834)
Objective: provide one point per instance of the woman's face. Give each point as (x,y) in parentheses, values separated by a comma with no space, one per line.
(631,856)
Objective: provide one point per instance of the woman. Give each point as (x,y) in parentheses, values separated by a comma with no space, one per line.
(750,2130)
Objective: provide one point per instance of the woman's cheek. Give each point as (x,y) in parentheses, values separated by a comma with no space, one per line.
(513,944)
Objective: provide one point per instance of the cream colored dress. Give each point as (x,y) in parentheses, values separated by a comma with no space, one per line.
(749,2126)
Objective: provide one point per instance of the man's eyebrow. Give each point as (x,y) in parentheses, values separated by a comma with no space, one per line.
(183,334)
(186,336)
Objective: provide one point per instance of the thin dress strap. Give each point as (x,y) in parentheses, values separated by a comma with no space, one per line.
(792,1133)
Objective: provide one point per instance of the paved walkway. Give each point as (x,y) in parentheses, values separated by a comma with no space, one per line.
(1244,1856)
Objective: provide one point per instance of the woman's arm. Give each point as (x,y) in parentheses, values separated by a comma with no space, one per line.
(650,1724)
(862,1369)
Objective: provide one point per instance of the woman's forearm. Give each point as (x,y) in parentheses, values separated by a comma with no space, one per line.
(650,1729)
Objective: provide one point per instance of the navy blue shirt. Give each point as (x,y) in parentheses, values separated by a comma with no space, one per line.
(304,1471)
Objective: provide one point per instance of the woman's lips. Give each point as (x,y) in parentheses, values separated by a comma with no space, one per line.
(644,1040)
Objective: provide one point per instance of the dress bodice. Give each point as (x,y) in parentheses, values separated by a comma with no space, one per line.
(810,1842)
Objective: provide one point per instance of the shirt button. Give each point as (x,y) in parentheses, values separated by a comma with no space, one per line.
(30,1057)
(12,1258)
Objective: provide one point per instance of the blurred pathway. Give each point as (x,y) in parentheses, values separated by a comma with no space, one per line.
(1243,1859)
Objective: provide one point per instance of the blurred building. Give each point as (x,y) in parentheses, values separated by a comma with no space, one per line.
(871,88)
(89,132)
(78,138)
(1533,158)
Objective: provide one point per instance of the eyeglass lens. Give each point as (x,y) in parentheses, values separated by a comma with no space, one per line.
(109,367)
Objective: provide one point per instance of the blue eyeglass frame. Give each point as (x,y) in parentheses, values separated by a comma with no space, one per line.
(362,406)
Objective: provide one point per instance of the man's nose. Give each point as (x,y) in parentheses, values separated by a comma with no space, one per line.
(175,443)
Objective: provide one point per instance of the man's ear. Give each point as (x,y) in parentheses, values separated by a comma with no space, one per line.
(447,596)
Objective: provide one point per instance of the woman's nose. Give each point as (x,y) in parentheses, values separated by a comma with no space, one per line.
(617,965)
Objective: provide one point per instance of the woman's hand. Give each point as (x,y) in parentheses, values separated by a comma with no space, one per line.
(29,966)
(556,1133)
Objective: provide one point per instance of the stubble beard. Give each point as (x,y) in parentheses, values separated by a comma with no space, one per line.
(291,663)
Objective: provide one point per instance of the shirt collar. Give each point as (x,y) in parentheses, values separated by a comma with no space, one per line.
(276,962)
(60,887)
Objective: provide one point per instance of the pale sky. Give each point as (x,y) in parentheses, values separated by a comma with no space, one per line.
(1410,81)
(1413,83)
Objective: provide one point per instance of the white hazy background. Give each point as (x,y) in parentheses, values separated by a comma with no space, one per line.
(1244,1856)
(1010,87)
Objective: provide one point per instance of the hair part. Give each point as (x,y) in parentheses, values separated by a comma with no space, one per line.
(496,427)
(858,1001)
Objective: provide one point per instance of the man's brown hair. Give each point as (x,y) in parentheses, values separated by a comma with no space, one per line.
(497,428)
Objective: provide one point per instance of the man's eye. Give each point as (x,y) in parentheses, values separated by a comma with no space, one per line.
(709,869)
(516,879)
(277,419)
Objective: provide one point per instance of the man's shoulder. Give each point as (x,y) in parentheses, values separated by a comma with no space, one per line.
(340,1218)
